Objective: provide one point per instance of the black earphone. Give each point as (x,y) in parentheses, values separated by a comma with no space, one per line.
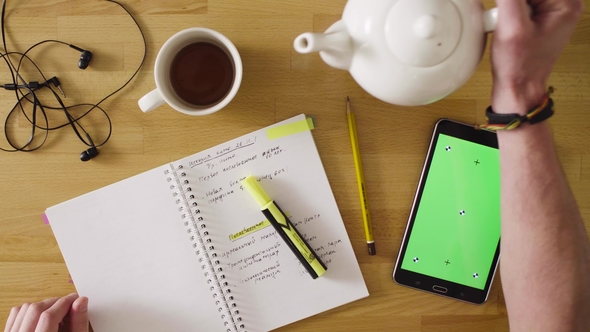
(37,113)
(90,153)
(83,64)
(84,58)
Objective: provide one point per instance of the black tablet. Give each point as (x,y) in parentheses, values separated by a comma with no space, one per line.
(451,245)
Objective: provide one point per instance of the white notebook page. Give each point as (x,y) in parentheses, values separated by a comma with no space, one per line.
(109,231)
(128,253)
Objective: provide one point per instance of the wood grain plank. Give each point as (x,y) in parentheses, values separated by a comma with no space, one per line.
(278,83)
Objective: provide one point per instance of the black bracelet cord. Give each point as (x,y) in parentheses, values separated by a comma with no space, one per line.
(29,104)
(499,121)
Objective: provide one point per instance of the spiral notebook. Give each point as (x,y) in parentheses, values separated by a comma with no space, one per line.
(183,247)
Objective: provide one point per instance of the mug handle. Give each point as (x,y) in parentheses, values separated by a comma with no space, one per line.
(151,101)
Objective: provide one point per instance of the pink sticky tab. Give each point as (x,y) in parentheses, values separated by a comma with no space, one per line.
(45,219)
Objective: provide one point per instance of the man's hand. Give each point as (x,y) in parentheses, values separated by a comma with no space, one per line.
(49,315)
(525,46)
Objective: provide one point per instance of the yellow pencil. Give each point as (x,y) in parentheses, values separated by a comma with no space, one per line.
(360,179)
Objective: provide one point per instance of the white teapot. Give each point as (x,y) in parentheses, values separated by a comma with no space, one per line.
(405,52)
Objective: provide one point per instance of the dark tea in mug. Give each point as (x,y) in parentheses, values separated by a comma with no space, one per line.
(202,73)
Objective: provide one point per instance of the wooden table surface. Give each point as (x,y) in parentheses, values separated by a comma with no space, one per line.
(278,83)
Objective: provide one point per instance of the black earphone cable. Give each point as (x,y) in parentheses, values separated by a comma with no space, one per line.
(30,97)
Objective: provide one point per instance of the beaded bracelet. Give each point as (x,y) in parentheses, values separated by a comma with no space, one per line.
(510,121)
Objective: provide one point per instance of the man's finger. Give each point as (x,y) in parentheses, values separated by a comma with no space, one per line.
(11,318)
(513,12)
(79,315)
(19,317)
(34,311)
(50,318)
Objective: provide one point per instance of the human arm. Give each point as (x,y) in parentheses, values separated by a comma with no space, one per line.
(545,264)
(49,315)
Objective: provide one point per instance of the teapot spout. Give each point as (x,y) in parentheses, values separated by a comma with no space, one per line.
(335,46)
(315,42)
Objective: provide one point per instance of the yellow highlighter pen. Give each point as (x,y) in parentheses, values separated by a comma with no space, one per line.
(285,228)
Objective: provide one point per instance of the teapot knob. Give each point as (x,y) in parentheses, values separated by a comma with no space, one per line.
(425,27)
(423,33)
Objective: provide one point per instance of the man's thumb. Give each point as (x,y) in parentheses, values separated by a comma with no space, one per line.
(79,315)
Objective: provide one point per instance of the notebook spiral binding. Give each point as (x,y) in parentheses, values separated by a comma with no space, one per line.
(196,228)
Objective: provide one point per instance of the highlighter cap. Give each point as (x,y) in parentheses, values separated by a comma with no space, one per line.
(254,188)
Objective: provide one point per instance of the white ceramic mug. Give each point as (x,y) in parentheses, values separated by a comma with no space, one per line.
(164,93)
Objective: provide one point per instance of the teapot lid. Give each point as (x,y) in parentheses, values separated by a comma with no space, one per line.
(423,33)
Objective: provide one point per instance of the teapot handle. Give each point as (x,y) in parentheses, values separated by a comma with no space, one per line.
(490,19)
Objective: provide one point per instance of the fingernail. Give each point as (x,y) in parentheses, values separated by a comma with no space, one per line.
(83,304)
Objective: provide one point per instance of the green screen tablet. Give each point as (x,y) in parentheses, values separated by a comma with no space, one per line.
(451,243)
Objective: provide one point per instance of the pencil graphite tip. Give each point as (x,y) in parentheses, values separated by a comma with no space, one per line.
(347,105)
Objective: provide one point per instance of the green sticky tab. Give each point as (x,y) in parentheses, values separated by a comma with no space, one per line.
(290,129)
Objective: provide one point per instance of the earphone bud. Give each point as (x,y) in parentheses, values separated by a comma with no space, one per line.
(90,153)
(84,58)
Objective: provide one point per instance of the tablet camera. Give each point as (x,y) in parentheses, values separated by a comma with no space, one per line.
(416,259)
(475,275)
